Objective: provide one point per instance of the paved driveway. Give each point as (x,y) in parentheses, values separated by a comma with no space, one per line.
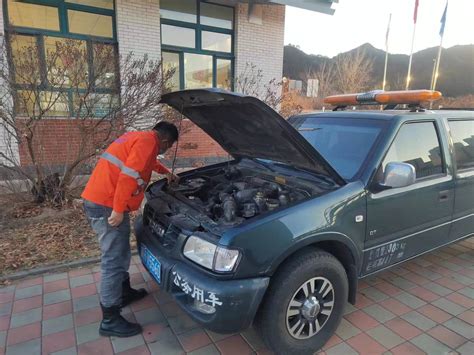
(424,306)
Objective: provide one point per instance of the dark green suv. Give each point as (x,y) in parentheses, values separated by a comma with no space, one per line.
(281,234)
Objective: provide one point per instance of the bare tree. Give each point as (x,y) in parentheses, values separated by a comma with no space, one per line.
(398,83)
(250,82)
(352,72)
(326,79)
(101,107)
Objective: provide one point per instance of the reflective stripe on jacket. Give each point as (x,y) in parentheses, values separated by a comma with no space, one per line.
(124,170)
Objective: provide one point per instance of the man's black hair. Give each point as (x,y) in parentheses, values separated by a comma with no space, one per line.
(168,130)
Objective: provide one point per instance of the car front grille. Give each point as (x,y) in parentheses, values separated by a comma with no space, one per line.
(165,232)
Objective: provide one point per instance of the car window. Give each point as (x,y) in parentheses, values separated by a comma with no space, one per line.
(463,139)
(417,144)
(344,143)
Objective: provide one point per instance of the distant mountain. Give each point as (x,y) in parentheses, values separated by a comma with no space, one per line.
(456,68)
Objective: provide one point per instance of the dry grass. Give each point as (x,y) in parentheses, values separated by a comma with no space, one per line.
(34,236)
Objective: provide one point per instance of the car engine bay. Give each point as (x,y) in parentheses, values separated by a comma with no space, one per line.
(222,198)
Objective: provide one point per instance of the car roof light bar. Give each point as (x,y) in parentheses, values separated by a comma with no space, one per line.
(379,97)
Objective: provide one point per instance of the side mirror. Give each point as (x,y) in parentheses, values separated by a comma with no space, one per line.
(398,175)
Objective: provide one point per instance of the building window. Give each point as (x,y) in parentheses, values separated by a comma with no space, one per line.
(197,40)
(43,32)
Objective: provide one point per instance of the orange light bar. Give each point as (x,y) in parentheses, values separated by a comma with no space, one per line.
(380,97)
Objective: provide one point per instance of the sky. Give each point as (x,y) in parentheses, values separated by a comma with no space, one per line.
(356,22)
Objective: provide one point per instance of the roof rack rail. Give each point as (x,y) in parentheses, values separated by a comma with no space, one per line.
(457,108)
(411,107)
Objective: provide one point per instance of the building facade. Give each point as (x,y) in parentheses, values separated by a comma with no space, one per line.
(208,43)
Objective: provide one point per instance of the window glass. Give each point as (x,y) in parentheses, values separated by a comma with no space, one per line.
(344,143)
(26,102)
(105,65)
(219,42)
(183,10)
(95,105)
(223,74)
(463,138)
(52,103)
(418,145)
(178,36)
(197,70)
(25,59)
(90,24)
(66,62)
(217,16)
(171,62)
(104,4)
(31,15)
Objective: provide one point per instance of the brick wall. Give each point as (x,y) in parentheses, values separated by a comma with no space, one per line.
(8,145)
(138,31)
(57,141)
(196,147)
(138,27)
(260,44)
(2,25)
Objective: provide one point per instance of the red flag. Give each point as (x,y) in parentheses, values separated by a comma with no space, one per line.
(415,13)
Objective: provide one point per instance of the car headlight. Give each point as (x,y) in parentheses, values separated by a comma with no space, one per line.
(210,255)
(200,251)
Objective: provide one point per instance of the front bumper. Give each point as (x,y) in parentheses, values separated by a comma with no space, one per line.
(235,301)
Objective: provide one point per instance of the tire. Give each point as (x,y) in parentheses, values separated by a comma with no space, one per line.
(313,270)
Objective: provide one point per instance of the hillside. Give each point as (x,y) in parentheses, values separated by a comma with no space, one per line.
(456,69)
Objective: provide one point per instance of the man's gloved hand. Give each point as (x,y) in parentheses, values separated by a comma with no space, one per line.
(115,219)
(172,178)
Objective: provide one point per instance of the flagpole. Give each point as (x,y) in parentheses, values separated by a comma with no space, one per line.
(433,74)
(415,17)
(386,57)
(435,79)
(441,33)
(386,54)
(436,71)
(411,57)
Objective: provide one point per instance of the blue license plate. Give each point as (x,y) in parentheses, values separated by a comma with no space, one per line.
(151,263)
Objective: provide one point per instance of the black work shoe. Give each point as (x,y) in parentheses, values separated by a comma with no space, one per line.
(113,324)
(130,295)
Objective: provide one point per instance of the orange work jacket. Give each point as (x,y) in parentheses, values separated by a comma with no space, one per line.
(124,170)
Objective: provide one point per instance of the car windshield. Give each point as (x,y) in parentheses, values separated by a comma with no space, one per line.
(344,142)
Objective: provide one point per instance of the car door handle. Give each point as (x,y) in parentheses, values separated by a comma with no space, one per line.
(443,196)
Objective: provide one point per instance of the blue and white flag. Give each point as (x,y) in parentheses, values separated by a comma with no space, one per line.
(443,20)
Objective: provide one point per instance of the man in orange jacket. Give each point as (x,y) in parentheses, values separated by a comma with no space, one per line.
(115,188)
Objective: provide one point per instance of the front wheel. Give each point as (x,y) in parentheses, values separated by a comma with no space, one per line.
(304,304)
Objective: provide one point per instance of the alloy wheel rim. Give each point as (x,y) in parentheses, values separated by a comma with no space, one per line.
(310,308)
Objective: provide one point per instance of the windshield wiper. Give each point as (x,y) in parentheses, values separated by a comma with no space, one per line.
(308,129)
(326,178)
(261,163)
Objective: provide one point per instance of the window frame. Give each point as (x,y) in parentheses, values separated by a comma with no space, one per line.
(198,28)
(444,171)
(455,162)
(63,33)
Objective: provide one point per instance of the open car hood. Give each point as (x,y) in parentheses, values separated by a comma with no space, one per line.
(246,127)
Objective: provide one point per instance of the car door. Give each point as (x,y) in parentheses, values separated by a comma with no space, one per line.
(462,135)
(404,222)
